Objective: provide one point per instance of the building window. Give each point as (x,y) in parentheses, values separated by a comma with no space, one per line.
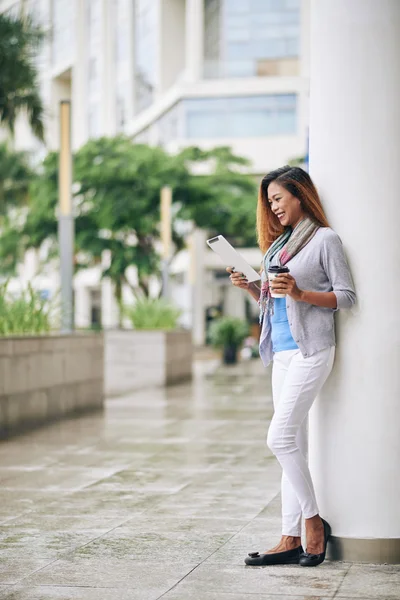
(63,30)
(247,116)
(170,124)
(242,37)
(122,65)
(146,50)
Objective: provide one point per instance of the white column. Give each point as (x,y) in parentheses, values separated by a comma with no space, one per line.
(354,160)
(197,248)
(109,304)
(194,43)
(108,85)
(82,306)
(234,302)
(79,78)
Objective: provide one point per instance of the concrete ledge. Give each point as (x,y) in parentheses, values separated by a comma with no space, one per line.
(140,359)
(364,550)
(45,378)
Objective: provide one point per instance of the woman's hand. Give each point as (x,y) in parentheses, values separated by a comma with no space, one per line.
(238,279)
(286,284)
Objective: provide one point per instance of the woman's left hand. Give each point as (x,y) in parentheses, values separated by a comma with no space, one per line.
(286,284)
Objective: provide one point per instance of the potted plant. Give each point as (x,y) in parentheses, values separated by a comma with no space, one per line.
(152,313)
(45,375)
(228,333)
(156,351)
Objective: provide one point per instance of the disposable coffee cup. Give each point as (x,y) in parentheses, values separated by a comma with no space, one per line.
(272,273)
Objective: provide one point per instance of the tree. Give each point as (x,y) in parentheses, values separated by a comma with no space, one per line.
(20,41)
(117,200)
(16,176)
(223,201)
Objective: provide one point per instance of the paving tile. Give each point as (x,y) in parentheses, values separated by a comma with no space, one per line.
(179,594)
(74,593)
(12,570)
(35,543)
(165,547)
(38,522)
(112,573)
(371,581)
(279,580)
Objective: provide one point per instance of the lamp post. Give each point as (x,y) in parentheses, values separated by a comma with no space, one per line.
(166,237)
(65,219)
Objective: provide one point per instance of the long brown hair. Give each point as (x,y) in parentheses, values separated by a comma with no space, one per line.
(299,184)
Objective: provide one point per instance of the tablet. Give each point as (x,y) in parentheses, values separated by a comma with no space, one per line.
(232,258)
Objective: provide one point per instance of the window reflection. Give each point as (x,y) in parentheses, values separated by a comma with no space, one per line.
(146,42)
(121,53)
(63,29)
(94,9)
(231,117)
(242,37)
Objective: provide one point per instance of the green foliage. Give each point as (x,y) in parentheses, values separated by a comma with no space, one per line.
(15,178)
(223,201)
(26,314)
(117,205)
(228,331)
(20,41)
(152,313)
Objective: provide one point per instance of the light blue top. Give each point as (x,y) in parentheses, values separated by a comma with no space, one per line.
(281,335)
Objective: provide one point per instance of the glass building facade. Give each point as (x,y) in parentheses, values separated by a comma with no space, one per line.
(94,14)
(242,36)
(146,52)
(122,64)
(247,116)
(63,30)
(230,117)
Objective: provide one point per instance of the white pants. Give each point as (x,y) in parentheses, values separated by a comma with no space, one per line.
(296,381)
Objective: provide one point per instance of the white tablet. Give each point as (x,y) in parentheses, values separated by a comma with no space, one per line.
(232,258)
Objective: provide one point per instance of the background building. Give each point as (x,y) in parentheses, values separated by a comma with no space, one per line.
(175,73)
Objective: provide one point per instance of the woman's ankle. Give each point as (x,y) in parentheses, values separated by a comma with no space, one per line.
(291,540)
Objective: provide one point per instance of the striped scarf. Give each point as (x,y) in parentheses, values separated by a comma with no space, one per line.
(287,245)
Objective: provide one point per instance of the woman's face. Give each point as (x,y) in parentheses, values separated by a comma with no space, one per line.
(284,205)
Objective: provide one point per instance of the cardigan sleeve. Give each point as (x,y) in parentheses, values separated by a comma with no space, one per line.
(337,269)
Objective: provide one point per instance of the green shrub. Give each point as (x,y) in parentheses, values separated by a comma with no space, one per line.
(228,331)
(152,313)
(26,314)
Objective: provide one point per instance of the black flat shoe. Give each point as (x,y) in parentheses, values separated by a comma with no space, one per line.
(289,557)
(312,560)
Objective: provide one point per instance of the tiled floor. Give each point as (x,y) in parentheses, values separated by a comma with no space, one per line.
(161,496)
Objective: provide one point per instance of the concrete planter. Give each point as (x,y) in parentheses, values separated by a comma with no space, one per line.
(46,378)
(139,359)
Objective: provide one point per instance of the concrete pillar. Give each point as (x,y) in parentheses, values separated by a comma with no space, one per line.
(108,70)
(234,302)
(354,160)
(194,42)
(109,304)
(82,306)
(79,78)
(172,55)
(197,249)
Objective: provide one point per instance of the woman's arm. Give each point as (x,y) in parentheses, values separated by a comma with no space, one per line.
(324,299)
(337,269)
(286,284)
(254,291)
(239,280)
(335,266)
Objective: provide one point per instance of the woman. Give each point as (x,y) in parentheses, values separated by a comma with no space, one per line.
(298,335)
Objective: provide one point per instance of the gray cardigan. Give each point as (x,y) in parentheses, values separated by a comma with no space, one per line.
(320,266)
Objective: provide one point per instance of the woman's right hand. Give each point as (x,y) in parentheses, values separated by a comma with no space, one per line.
(238,279)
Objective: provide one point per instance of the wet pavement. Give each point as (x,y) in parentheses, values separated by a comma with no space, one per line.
(162,496)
